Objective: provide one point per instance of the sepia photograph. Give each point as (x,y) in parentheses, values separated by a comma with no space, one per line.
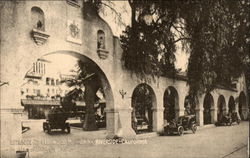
(124,78)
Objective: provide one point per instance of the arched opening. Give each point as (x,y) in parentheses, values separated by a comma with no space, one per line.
(208,104)
(90,113)
(143,99)
(171,104)
(242,106)
(37,18)
(231,105)
(100,39)
(221,107)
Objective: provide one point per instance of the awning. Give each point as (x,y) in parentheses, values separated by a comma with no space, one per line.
(40,102)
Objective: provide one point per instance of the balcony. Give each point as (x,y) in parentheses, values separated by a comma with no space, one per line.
(40,37)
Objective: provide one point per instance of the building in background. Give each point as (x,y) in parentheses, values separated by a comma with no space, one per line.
(42,89)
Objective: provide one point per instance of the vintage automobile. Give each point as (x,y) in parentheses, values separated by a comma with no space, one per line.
(229,119)
(56,119)
(183,123)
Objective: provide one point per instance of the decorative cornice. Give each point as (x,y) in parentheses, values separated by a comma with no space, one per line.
(102,53)
(40,37)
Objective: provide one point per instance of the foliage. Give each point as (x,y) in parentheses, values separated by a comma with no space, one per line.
(214,32)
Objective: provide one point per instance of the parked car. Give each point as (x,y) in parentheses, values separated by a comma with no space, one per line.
(183,123)
(56,119)
(229,119)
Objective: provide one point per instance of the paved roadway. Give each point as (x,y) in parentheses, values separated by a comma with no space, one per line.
(213,142)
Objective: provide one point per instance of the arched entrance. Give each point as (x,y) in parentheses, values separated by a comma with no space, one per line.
(208,104)
(143,99)
(95,91)
(242,106)
(221,107)
(231,105)
(171,104)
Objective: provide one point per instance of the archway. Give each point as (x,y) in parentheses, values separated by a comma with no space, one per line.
(242,106)
(221,107)
(171,104)
(231,104)
(143,99)
(38,74)
(208,104)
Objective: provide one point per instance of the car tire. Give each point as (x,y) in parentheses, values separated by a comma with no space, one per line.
(180,130)
(230,122)
(68,129)
(49,129)
(45,127)
(238,121)
(194,128)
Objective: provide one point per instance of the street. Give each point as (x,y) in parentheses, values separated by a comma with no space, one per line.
(211,142)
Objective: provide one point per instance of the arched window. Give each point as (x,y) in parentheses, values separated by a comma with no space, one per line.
(100,39)
(57,82)
(37,18)
(52,82)
(47,81)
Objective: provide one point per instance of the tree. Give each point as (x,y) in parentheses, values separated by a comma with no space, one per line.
(86,77)
(213,32)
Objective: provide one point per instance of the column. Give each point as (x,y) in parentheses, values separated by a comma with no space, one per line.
(125,130)
(112,122)
(214,114)
(199,116)
(158,119)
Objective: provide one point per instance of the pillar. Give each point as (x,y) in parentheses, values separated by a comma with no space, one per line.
(199,116)
(214,111)
(112,122)
(126,130)
(158,119)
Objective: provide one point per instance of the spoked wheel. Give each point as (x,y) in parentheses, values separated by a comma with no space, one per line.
(167,131)
(238,121)
(48,129)
(44,127)
(180,130)
(63,129)
(68,129)
(194,128)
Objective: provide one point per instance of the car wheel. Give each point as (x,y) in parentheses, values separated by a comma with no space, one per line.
(49,129)
(194,128)
(230,122)
(44,127)
(238,121)
(68,129)
(168,131)
(180,130)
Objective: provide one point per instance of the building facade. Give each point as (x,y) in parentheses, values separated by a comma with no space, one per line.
(42,89)
(32,29)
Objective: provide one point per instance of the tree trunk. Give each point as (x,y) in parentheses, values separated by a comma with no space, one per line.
(91,88)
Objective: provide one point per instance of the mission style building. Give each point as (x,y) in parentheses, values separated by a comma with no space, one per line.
(32,29)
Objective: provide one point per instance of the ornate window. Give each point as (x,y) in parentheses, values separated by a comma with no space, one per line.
(100,39)
(37,18)
(38,24)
